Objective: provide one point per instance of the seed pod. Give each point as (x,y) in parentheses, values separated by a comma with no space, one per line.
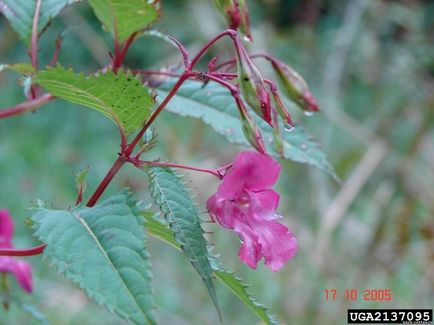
(295,87)
(250,128)
(244,19)
(252,84)
(277,135)
(281,109)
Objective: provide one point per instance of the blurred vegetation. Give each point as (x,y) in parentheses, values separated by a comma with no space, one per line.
(370,65)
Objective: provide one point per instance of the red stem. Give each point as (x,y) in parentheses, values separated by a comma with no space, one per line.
(127,151)
(26,106)
(228,32)
(57,44)
(154,115)
(34,40)
(34,46)
(162,164)
(232,62)
(106,181)
(120,54)
(125,155)
(183,51)
(22,252)
(233,89)
(156,72)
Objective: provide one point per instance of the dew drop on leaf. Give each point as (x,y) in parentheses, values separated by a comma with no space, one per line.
(289,127)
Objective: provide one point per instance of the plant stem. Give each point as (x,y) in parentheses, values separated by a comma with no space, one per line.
(228,32)
(57,45)
(127,151)
(233,89)
(120,54)
(34,46)
(34,41)
(183,51)
(154,115)
(106,181)
(26,106)
(156,72)
(162,164)
(22,252)
(232,62)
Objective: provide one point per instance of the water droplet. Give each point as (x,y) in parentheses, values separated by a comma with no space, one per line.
(308,113)
(247,39)
(289,127)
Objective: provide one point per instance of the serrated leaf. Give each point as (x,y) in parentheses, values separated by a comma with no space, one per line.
(171,196)
(122,18)
(216,107)
(20,14)
(120,96)
(228,278)
(238,288)
(103,250)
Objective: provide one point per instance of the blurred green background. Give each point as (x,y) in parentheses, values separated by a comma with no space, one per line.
(370,64)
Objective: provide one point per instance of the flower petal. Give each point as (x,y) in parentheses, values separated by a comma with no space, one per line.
(250,170)
(278,244)
(21,269)
(264,203)
(250,250)
(6,229)
(222,210)
(23,273)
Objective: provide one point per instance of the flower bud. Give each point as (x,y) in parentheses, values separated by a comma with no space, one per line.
(250,128)
(252,84)
(281,109)
(277,135)
(244,19)
(295,87)
(236,14)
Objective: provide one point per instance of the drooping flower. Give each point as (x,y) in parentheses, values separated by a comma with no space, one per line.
(22,270)
(246,203)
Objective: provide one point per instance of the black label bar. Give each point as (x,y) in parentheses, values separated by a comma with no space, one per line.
(389,316)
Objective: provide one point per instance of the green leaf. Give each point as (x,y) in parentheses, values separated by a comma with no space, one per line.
(120,97)
(228,278)
(216,107)
(20,14)
(22,68)
(103,250)
(239,288)
(122,18)
(170,195)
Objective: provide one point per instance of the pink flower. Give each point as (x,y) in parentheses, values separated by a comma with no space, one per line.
(21,269)
(246,203)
